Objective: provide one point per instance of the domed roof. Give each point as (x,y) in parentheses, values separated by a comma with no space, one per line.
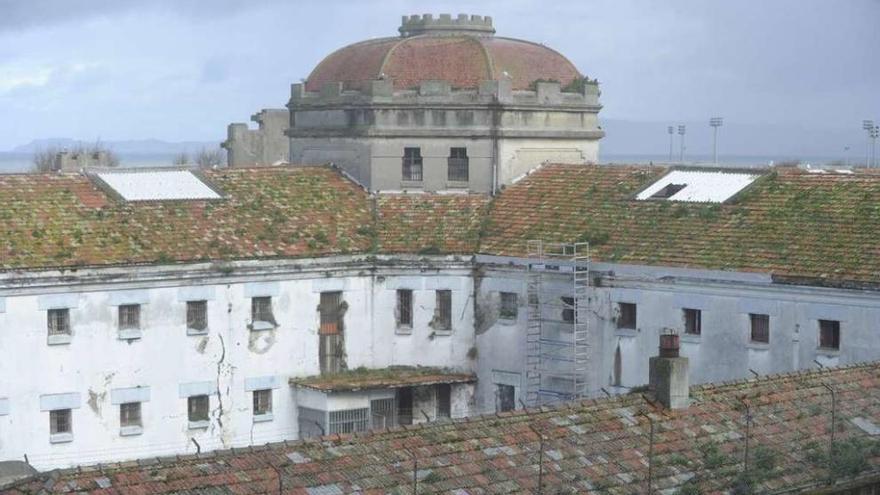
(462,51)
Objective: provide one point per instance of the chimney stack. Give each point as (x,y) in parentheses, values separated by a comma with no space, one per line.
(668,374)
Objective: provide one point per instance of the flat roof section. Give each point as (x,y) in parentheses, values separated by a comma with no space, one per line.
(391,377)
(698,186)
(157,185)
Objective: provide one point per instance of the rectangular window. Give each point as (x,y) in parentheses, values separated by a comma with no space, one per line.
(60,422)
(129,316)
(412,164)
(506,398)
(349,421)
(197,408)
(444,400)
(331,316)
(262,402)
(197,315)
(443,311)
(693,321)
(568,309)
(405,308)
(130,414)
(58,321)
(261,310)
(760,325)
(829,334)
(627,318)
(508,309)
(457,170)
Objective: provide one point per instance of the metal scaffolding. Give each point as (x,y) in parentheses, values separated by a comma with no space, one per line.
(557,337)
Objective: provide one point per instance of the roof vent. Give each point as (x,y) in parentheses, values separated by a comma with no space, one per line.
(668,374)
(698,186)
(156,185)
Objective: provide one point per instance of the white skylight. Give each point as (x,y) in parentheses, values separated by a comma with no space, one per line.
(158,185)
(699,186)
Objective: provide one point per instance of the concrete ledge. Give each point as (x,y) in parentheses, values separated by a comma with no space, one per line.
(54,402)
(261,326)
(204,293)
(130,334)
(691,338)
(61,438)
(262,418)
(60,339)
(57,301)
(261,383)
(130,394)
(191,389)
(123,297)
(194,331)
(262,289)
(403,330)
(199,425)
(130,431)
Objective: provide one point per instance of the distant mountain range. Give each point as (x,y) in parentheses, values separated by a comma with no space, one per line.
(127,147)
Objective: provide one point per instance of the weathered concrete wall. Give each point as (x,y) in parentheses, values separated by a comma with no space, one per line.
(265,145)
(165,358)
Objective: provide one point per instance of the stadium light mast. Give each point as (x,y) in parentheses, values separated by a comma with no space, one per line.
(868,125)
(875,133)
(671,131)
(715,123)
(681,131)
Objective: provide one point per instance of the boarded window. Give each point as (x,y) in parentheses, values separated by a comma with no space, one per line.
(627,317)
(60,422)
(197,315)
(404,308)
(444,400)
(129,316)
(58,321)
(568,309)
(130,414)
(261,309)
(693,321)
(457,170)
(412,164)
(508,309)
(443,311)
(405,405)
(506,398)
(197,408)
(262,402)
(348,421)
(331,316)
(829,334)
(760,326)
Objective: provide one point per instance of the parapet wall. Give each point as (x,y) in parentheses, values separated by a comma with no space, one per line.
(420,24)
(263,146)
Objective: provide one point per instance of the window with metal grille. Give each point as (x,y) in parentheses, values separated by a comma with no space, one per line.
(627,317)
(198,408)
(311,422)
(384,413)
(568,309)
(197,315)
(262,402)
(506,398)
(444,400)
(760,328)
(693,321)
(129,316)
(405,308)
(349,421)
(331,316)
(412,164)
(508,309)
(443,312)
(261,309)
(829,334)
(457,169)
(58,321)
(130,414)
(60,421)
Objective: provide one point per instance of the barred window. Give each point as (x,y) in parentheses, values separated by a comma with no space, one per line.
(129,316)
(568,309)
(412,164)
(262,402)
(829,334)
(331,314)
(130,414)
(197,315)
(404,307)
(693,321)
(508,310)
(261,309)
(444,400)
(349,421)
(627,317)
(60,421)
(457,169)
(58,321)
(197,408)
(443,312)
(760,328)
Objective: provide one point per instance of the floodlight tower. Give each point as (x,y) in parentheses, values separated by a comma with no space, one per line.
(715,123)
(867,125)
(671,131)
(681,131)
(874,134)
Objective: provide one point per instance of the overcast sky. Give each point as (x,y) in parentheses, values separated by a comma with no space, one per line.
(182,69)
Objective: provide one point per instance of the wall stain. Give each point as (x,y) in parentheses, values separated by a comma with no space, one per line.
(95,400)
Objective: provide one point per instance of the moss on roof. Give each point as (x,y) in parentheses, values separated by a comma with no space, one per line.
(390,377)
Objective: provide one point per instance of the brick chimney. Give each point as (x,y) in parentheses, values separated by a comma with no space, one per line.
(668,374)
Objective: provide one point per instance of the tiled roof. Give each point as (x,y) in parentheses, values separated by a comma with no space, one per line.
(602,446)
(790,223)
(391,377)
(430,223)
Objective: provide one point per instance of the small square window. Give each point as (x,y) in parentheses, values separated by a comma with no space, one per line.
(60,422)
(508,309)
(58,321)
(412,164)
(760,328)
(130,414)
(404,308)
(627,317)
(568,309)
(129,316)
(261,310)
(443,311)
(829,334)
(197,315)
(262,402)
(198,408)
(693,321)
(457,165)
